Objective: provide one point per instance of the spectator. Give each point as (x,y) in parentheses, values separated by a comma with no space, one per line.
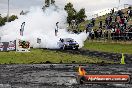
(130,13)
(120,13)
(125,22)
(117,31)
(115,24)
(100,32)
(110,20)
(92,34)
(112,11)
(103,33)
(96,33)
(100,24)
(106,21)
(93,22)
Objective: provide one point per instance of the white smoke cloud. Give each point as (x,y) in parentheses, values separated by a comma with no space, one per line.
(39,24)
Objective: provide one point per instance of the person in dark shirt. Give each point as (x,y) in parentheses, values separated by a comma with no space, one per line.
(120,13)
(100,24)
(96,33)
(110,20)
(93,22)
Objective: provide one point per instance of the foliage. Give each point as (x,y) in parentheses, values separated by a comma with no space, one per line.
(70,11)
(73,14)
(2,22)
(12,18)
(81,15)
(4,19)
(52,1)
(68,7)
(48,2)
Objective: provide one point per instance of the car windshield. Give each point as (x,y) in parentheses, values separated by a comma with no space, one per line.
(69,40)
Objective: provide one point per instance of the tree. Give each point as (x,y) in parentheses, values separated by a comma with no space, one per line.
(73,14)
(4,19)
(52,1)
(2,22)
(47,3)
(68,7)
(81,15)
(12,18)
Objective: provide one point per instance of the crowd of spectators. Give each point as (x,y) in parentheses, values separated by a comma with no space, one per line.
(114,26)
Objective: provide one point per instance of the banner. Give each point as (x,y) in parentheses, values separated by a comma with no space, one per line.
(22,46)
(1,46)
(12,46)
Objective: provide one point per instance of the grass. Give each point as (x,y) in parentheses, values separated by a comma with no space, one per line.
(82,25)
(41,56)
(108,47)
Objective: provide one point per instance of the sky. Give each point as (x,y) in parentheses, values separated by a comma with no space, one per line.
(91,6)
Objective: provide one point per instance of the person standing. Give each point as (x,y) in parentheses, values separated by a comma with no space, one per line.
(125,22)
(22,29)
(56,29)
(93,22)
(100,24)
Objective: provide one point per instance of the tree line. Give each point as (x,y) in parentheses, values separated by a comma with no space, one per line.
(3,20)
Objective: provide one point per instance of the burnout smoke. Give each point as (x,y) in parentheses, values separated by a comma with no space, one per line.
(41,24)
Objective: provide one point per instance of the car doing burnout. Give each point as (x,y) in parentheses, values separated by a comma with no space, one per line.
(68,43)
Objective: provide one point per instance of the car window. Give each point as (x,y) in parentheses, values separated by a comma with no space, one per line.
(67,40)
(70,41)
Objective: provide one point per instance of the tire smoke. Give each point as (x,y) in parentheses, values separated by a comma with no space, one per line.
(41,24)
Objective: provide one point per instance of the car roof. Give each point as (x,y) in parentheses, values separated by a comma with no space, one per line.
(68,39)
